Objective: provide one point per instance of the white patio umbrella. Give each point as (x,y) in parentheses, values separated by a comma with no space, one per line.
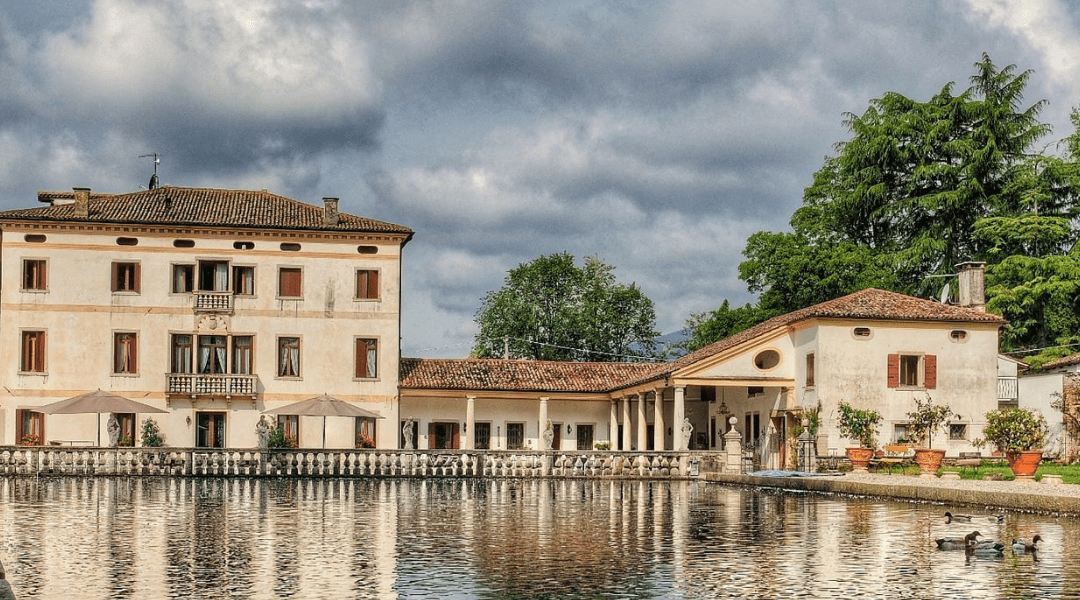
(323,406)
(96,402)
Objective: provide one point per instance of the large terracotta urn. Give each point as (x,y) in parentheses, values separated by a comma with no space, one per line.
(1024,463)
(928,459)
(860,458)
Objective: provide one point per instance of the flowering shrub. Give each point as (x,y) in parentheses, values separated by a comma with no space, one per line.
(30,439)
(364,441)
(151,434)
(1014,430)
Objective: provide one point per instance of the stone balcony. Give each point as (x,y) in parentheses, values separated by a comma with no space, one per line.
(196,385)
(213,302)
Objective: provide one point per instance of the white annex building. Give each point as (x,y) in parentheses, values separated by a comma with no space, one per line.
(217,306)
(213,305)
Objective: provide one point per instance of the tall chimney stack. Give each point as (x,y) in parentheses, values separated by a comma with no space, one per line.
(330,213)
(82,203)
(972,279)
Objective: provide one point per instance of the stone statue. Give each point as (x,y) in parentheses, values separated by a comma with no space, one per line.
(687,429)
(549,436)
(113,429)
(407,432)
(262,430)
(5,587)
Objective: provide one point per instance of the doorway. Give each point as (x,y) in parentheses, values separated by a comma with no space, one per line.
(210,430)
(443,436)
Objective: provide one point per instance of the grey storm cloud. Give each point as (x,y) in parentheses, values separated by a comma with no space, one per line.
(655,135)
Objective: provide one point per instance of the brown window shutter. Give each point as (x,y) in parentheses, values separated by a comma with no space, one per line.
(930,371)
(138,272)
(373,285)
(361,358)
(431,436)
(115,277)
(361,284)
(457,437)
(290,283)
(894,370)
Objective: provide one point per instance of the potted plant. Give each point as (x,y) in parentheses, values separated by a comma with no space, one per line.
(151,434)
(922,422)
(1020,433)
(861,425)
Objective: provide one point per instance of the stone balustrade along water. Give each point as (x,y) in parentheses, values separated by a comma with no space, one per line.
(16,460)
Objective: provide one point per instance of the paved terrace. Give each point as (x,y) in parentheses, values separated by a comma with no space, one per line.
(1009,495)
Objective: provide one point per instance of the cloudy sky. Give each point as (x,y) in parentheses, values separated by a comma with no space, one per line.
(655,135)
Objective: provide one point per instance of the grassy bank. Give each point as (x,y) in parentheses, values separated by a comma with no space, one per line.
(1068,473)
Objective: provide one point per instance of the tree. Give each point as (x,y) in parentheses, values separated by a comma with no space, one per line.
(550,309)
(706,328)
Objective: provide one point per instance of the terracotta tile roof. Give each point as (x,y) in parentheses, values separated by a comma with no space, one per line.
(517,375)
(169,205)
(1064,361)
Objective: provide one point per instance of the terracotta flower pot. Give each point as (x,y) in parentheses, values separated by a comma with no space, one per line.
(928,459)
(1024,463)
(859,457)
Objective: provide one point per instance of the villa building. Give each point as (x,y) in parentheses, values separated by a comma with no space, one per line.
(213,305)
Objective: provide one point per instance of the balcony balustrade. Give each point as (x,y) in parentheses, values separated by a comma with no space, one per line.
(213,301)
(206,384)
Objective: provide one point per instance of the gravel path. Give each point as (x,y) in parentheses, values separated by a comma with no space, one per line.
(975,485)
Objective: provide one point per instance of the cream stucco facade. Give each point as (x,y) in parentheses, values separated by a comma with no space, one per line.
(212,323)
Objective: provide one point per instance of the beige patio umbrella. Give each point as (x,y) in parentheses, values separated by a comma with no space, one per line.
(99,402)
(323,406)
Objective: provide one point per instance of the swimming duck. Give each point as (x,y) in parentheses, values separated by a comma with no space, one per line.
(1020,547)
(949,518)
(985,548)
(956,543)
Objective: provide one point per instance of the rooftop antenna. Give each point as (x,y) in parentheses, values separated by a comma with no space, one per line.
(154,177)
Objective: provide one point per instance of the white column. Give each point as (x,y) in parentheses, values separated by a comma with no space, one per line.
(677,419)
(658,420)
(543,423)
(626,423)
(642,424)
(470,423)
(613,425)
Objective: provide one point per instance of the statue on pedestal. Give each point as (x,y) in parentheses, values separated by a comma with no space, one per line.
(113,429)
(687,429)
(262,430)
(549,436)
(407,432)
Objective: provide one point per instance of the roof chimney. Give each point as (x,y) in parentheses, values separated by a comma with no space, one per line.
(330,213)
(972,276)
(82,203)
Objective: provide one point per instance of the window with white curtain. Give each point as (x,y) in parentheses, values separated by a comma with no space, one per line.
(181,353)
(125,353)
(211,354)
(288,357)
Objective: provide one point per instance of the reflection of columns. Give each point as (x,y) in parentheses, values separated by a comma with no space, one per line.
(613,425)
(658,420)
(677,419)
(625,423)
(470,423)
(543,423)
(642,425)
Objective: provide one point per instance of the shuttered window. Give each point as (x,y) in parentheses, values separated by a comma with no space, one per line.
(290,282)
(125,277)
(367,284)
(33,352)
(367,354)
(34,275)
(912,370)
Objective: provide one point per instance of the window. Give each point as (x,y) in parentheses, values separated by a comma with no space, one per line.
(900,433)
(367,284)
(755,390)
(957,431)
(290,424)
(861,332)
(31,427)
(244,281)
(33,275)
(958,336)
(443,436)
(290,283)
(515,436)
(211,354)
(242,353)
(584,437)
(125,277)
(367,355)
(127,241)
(288,357)
(810,370)
(290,247)
(365,432)
(367,249)
(33,352)
(183,243)
(125,353)
(34,238)
(210,430)
(181,353)
(213,276)
(482,436)
(183,279)
(912,371)
(767,359)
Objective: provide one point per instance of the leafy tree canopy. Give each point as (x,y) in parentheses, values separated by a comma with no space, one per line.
(551,309)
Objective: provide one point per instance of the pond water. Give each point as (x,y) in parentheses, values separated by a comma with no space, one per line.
(362,538)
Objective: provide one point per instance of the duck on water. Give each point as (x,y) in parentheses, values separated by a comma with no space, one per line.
(959,518)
